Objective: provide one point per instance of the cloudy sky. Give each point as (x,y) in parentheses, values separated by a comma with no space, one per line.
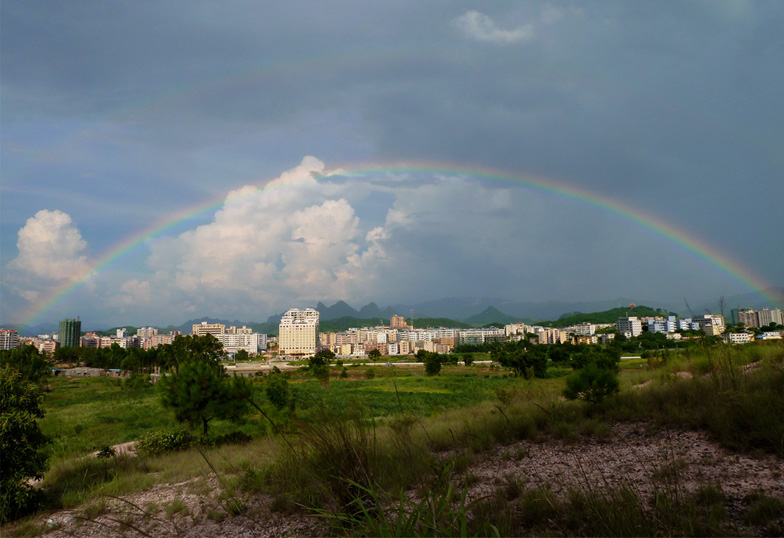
(168,160)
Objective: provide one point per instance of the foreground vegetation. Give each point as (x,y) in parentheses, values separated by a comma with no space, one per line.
(389,452)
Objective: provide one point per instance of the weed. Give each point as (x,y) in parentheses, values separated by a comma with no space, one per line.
(513,487)
(282,503)
(176,506)
(216,515)
(95,509)
(765,511)
(235,507)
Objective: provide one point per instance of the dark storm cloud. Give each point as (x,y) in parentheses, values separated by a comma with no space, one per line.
(671,107)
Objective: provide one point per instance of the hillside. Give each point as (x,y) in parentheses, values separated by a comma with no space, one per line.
(492,316)
(348,322)
(607,316)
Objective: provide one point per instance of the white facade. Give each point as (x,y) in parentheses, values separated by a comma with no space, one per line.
(584,329)
(631,325)
(251,343)
(516,328)
(298,333)
(768,316)
(9,339)
(739,338)
(146,332)
(712,324)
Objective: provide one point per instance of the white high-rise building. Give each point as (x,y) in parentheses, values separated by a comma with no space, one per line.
(631,326)
(298,333)
(767,316)
(9,339)
(251,343)
(584,329)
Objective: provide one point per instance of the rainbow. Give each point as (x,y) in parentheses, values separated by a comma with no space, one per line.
(658,226)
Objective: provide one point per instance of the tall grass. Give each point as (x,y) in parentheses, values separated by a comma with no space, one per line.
(736,394)
(365,454)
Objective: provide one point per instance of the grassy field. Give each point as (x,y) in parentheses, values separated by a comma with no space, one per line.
(396,429)
(87,414)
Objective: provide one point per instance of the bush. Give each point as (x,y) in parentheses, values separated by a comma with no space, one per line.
(160,442)
(21,444)
(277,391)
(137,381)
(592,384)
(432,364)
(236,437)
(106,452)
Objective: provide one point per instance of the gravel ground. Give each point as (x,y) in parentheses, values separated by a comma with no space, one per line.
(634,456)
(192,508)
(631,454)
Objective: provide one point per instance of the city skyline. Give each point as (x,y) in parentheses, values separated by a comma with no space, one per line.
(392,153)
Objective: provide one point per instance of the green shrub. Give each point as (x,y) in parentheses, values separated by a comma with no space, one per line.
(592,384)
(228,438)
(106,452)
(432,364)
(277,391)
(160,442)
(137,381)
(21,444)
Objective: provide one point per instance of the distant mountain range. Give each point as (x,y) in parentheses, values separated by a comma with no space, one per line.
(471,311)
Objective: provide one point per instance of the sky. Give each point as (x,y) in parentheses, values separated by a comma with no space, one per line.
(161,161)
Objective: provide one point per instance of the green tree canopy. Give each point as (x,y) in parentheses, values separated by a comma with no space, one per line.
(21,443)
(28,361)
(198,391)
(528,363)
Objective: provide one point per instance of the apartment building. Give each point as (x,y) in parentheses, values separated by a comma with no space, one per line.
(70,332)
(298,333)
(204,328)
(629,326)
(9,339)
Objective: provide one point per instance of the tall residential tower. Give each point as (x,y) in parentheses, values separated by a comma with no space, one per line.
(298,333)
(70,331)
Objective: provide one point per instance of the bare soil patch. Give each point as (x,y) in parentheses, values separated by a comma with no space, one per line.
(633,454)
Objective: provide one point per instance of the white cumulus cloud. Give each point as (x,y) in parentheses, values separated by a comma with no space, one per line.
(50,247)
(51,251)
(479,26)
(294,239)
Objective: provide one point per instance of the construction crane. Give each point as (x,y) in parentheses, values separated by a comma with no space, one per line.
(688,307)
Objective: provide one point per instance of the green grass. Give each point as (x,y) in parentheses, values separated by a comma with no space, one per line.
(401,429)
(85,415)
(390,396)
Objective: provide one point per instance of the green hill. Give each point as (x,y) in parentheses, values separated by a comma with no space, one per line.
(608,316)
(424,323)
(347,322)
(491,316)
